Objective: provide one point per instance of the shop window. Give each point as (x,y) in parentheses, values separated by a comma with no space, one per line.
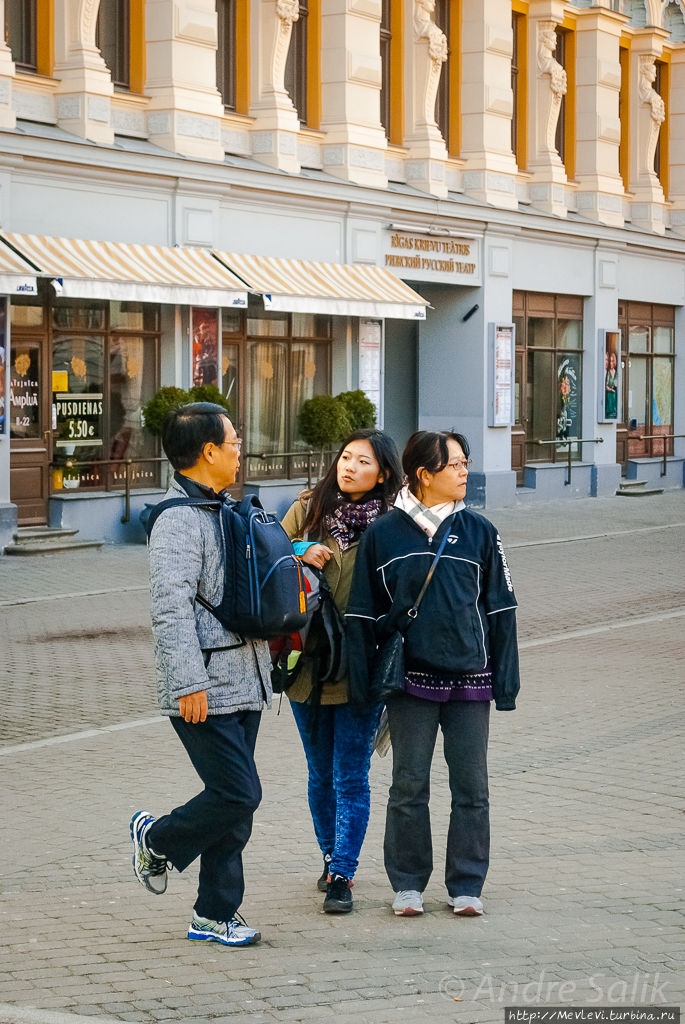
(548,393)
(113,39)
(105,367)
(648,361)
(296,67)
(226,52)
(21,33)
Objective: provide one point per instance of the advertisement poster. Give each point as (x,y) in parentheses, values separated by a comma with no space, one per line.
(503,368)
(204,329)
(78,421)
(24,409)
(4,354)
(371,363)
(568,402)
(610,376)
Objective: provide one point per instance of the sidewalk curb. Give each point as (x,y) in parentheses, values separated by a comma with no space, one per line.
(32,1015)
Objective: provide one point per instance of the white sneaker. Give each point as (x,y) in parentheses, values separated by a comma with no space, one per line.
(230,933)
(466,906)
(408,903)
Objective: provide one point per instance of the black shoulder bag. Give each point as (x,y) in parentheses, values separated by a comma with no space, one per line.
(387,670)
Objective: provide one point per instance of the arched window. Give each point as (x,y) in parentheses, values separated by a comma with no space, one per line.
(21,35)
(113,39)
(226,52)
(296,67)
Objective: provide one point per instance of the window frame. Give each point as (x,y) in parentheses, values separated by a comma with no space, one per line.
(650,316)
(226,53)
(29,31)
(519,84)
(121,71)
(297,64)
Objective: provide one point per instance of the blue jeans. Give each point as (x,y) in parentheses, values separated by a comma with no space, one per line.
(339,796)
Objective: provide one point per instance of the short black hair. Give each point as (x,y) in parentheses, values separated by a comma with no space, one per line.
(188,428)
(427,449)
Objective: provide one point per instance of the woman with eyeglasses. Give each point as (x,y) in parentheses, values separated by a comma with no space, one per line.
(460,654)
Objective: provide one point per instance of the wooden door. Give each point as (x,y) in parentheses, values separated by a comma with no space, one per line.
(30,427)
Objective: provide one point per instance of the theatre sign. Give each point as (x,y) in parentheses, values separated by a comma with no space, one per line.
(415,257)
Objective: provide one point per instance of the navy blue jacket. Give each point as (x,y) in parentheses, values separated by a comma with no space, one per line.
(467,618)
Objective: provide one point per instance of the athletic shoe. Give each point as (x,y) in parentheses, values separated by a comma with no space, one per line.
(466,906)
(338,896)
(408,903)
(149,868)
(229,933)
(322,884)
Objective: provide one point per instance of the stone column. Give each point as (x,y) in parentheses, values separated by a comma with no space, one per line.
(647,114)
(8,118)
(487,103)
(185,108)
(426,50)
(677,140)
(547,86)
(274,133)
(355,143)
(83,95)
(598,128)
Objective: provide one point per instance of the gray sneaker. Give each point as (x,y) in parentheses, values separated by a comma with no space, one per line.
(149,868)
(466,906)
(408,903)
(229,933)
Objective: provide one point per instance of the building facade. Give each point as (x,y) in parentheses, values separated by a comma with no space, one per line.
(475,212)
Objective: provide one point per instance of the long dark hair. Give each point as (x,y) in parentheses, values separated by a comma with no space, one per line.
(427,449)
(324,498)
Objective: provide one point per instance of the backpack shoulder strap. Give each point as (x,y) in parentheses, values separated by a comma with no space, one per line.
(156,512)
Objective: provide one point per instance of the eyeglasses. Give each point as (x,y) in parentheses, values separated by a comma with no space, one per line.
(236,442)
(460,464)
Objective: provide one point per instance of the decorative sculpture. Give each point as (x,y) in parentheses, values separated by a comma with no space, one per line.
(549,65)
(649,95)
(438,52)
(288,11)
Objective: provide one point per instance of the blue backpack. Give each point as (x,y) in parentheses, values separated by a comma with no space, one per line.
(264,588)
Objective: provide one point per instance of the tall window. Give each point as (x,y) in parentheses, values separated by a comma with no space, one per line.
(518,88)
(661,156)
(560,139)
(113,39)
(20,33)
(226,52)
(386,65)
(296,64)
(648,341)
(442,104)
(624,117)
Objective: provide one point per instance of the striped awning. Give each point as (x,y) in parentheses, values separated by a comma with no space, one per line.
(301,286)
(16,276)
(124,271)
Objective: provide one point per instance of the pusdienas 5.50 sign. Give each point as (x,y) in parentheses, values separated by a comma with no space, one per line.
(78,420)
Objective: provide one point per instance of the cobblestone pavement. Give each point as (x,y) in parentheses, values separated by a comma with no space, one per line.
(586,883)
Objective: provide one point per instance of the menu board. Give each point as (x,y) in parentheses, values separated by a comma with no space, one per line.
(79,420)
(502,347)
(371,364)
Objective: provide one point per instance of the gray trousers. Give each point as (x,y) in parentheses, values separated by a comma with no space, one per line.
(408,844)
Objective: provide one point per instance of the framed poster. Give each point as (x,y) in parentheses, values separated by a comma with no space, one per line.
(501,374)
(4,364)
(205,349)
(371,362)
(609,377)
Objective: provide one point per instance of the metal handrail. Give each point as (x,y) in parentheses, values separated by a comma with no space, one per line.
(665,438)
(570,441)
(70,463)
(291,455)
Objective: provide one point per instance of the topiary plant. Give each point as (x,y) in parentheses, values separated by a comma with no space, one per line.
(207,393)
(322,423)
(160,405)
(361,412)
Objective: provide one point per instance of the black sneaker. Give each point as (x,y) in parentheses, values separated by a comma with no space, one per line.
(322,884)
(338,897)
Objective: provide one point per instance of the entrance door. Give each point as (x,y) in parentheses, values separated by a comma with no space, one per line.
(29,411)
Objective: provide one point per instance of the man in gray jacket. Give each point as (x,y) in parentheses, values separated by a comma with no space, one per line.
(211,683)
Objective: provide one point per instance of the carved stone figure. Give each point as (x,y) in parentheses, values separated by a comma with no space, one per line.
(558,81)
(649,95)
(288,11)
(438,52)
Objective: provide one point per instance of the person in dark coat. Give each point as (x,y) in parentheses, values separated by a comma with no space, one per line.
(460,654)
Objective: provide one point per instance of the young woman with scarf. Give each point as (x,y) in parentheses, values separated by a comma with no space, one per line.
(460,653)
(326,526)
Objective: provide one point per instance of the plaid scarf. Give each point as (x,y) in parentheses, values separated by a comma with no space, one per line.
(350,519)
(429,519)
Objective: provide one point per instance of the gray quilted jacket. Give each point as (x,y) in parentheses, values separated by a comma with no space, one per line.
(186,556)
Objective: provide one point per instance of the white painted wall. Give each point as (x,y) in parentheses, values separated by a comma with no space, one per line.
(540,266)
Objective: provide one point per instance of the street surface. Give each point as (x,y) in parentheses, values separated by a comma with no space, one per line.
(584,900)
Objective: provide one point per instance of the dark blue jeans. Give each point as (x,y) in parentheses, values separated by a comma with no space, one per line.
(414,725)
(216,824)
(339,797)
